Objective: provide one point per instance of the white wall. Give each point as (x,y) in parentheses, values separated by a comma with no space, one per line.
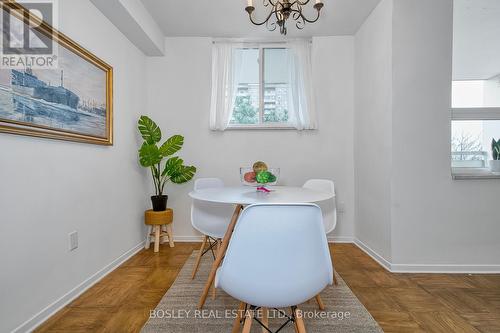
(372,130)
(50,188)
(435,220)
(409,211)
(476,46)
(179,100)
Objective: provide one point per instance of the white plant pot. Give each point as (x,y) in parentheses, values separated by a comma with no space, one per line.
(495,166)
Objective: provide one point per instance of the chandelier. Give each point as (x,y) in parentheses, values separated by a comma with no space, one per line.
(281,11)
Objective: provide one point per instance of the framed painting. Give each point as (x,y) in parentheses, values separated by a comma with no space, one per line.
(71,101)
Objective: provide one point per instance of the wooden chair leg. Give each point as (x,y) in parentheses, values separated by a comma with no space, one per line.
(321,305)
(248,322)
(265,319)
(335,282)
(239,316)
(148,237)
(198,258)
(299,321)
(219,256)
(170,235)
(157,238)
(217,251)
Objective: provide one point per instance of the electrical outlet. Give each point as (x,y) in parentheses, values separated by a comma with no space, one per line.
(73,240)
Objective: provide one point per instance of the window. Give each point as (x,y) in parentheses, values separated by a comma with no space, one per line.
(476,83)
(265,85)
(262,88)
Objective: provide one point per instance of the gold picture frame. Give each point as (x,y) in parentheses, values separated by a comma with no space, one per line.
(42,130)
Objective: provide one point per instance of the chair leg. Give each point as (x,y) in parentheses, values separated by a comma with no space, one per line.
(217,249)
(321,305)
(198,258)
(335,282)
(265,319)
(301,328)
(248,322)
(239,316)
(148,237)
(170,235)
(157,238)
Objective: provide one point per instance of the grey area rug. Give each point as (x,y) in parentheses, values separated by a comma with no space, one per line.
(177,311)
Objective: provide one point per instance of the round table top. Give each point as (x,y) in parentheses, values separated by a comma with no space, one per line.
(247,195)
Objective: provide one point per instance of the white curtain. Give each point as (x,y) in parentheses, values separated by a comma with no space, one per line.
(226,65)
(301,95)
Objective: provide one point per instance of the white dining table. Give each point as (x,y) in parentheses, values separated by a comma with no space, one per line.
(247,195)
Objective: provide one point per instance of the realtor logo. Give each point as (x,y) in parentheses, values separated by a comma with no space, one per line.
(26,42)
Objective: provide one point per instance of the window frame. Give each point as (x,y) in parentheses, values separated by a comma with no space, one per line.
(261,124)
(473,114)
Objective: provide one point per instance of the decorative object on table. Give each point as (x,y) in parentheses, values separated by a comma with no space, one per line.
(159,226)
(151,156)
(281,11)
(495,152)
(68,101)
(259,175)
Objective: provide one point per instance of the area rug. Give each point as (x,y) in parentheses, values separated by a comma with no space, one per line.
(177,311)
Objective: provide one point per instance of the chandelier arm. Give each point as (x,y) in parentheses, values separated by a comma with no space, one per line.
(272,3)
(270,25)
(263,22)
(300,24)
(295,15)
(305,18)
(295,3)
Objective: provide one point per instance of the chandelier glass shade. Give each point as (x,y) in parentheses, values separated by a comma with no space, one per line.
(280,11)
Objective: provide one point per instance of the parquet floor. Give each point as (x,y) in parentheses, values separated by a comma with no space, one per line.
(399,302)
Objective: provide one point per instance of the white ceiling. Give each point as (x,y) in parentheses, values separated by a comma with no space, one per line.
(227,18)
(476,45)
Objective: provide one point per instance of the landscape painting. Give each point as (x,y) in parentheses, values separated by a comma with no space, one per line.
(71,101)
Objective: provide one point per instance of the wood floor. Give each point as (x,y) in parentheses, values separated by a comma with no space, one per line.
(399,302)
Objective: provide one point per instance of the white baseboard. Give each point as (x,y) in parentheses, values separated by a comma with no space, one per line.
(375,256)
(340,239)
(188,239)
(393,268)
(446,269)
(427,268)
(51,309)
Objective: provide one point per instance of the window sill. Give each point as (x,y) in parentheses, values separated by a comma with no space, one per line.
(473,174)
(261,127)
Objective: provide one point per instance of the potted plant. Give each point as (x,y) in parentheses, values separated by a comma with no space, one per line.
(151,156)
(495,151)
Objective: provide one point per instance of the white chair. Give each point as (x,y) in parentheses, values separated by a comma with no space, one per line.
(328,208)
(277,257)
(211,219)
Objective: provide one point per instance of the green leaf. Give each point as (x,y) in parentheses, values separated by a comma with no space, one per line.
(150,132)
(149,155)
(172,145)
(495,149)
(171,166)
(183,174)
